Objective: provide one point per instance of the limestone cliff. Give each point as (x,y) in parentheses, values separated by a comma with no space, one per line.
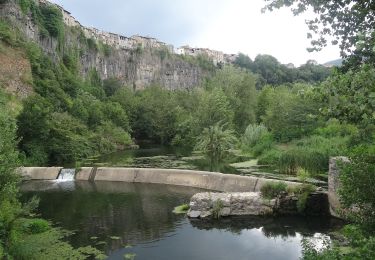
(136,67)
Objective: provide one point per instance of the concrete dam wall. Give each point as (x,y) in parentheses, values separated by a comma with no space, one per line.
(198,179)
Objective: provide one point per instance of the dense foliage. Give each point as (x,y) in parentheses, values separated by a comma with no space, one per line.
(291,119)
(348,96)
(270,71)
(21,235)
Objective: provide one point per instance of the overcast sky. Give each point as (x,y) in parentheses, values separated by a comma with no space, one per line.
(231,26)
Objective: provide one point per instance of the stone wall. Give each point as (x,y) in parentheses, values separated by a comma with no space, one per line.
(211,204)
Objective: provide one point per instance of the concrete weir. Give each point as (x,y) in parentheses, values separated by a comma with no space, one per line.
(198,179)
(40,173)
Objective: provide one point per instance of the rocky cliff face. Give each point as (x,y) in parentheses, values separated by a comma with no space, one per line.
(136,68)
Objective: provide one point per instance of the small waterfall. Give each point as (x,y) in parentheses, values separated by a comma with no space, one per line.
(67,175)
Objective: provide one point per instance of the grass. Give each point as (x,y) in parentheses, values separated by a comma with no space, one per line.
(216,208)
(272,189)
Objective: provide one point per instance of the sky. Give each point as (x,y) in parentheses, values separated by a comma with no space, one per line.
(231,26)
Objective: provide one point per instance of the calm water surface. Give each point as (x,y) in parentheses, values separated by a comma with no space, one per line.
(131,218)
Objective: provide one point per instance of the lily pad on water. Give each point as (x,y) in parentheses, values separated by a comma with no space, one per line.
(115,238)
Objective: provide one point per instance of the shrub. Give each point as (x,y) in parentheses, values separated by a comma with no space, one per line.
(257,139)
(6,34)
(52,20)
(302,192)
(334,128)
(253,134)
(270,157)
(264,143)
(271,190)
(312,154)
(37,226)
(312,160)
(216,208)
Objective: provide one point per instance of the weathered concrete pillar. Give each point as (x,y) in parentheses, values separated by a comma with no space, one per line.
(334,184)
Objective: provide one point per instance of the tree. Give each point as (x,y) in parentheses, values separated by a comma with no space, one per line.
(215,142)
(270,69)
(351,23)
(357,185)
(350,97)
(292,113)
(239,89)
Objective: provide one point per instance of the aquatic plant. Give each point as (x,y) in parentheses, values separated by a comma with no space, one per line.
(216,208)
(182,209)
(271,190)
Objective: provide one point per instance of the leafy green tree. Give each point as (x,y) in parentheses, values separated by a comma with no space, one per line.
(270,69)
(292,113)
(244,61)
(357,185)
(110,138)
(114,112)
(111,86)
(151,123)
(350,97)
(216,142)
(68,139)
(239,88)
(214,107)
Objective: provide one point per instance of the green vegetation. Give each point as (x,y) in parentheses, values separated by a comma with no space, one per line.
(291,119)
(130,256)
(23,236)
(271,72)
(217,206)
(215,142)
(347,97)
(182,209)
(271,190)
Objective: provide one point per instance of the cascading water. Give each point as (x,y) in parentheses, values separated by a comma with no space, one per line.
(66,175)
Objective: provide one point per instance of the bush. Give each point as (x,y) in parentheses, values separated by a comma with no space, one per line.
(36,226)
(264,143)
(6,34)
(271,190)
(302,192)
(313,161)
(52,20)
(253,134)
(270,157)
(334,128)
(312,154)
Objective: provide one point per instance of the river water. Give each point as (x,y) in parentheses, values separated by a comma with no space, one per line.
(135,220)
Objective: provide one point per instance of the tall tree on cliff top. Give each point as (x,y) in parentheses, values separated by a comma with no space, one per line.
(350,23)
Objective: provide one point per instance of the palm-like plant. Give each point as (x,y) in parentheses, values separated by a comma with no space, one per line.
(215,142)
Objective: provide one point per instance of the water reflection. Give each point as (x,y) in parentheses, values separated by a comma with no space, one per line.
(114,216)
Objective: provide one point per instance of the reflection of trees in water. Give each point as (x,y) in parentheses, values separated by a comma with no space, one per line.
(271,227)
(133,212)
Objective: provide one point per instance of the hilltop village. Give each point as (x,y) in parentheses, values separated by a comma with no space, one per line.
(123,42)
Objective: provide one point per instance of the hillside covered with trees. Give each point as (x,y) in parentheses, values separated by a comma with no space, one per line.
(294,119)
